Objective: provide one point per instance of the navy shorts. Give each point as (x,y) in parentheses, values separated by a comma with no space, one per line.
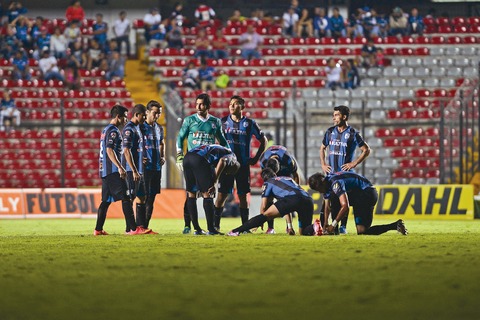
(198,173)
(114,188)
(363,203)
(135,188)
(242,179)
(302,205)
(152,180)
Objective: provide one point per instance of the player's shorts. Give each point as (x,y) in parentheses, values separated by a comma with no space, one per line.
(363,204)
(114,188)
(152,180)
(135,188)
(242,178)
(198,173)
(302,205)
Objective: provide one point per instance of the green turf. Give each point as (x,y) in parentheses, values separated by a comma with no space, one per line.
(55,269)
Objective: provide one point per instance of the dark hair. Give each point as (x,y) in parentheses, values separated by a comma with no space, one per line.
(268,173)
(231,167)
(239,99)
(153,103)
(344,110)
(206,99)
(315,180)
(118,110)
(139,108)
(273,163)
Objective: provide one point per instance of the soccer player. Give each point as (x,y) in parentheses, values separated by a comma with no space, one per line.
(113,174)
(203,166)
(133,146)
(344,189)
(199,129)
(238,131)
(282,163)
(340,142)
(290,197)
(154,157)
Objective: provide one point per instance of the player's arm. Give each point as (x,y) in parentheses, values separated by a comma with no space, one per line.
(261,149)
(182,134)
(266,203)
(344,207)
(129,157)
(162,152)
(113,157)
(365,148)
(327,212)
(326,168)
(218,171)
(220,137)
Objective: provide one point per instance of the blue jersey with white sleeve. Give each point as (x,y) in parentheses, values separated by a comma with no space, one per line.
(133,140)
(110,138)
(213,153)
(288,164)
(345,182)
(152,138)
(239,136)
(341,146)
(281,187)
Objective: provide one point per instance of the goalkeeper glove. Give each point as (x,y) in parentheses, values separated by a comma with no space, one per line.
(180,161)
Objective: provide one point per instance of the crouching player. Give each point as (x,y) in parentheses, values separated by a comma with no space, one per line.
(344,189)
(290,197)
(202,166)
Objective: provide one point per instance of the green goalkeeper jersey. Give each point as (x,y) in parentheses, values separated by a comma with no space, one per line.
(200,132)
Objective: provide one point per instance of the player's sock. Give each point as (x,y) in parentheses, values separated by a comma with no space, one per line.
(255,222)
(218,217)
(376,230)
(186,215)
(270,224)
(344,220)
(322,217)
(102,215)
(209,209)
(141,215)
(244,212)
(192,209)
(129,215)
(149,209)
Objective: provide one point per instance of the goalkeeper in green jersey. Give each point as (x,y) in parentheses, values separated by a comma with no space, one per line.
(199,129)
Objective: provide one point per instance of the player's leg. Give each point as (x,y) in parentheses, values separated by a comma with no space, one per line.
(343,224)
(205,181)
(242,178)
(193,171)
(271,213)
(225,188)
(141,210)
(152,188)
(102,209)
(186,217)
(119,191)
(270,224)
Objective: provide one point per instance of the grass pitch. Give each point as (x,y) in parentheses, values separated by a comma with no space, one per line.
(55,269)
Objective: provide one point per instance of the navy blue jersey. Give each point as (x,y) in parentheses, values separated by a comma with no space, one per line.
(288,164)
(152,138)
(110,138)
(345,182)
(133,140)
(239,135)
(213,153)
(280,187)
(102,37)
(341,146)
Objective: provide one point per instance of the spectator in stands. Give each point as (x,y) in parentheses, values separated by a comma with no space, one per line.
(415,23)
(72,78)
(75,12)
(21,31)
(111,47)
(334,74)
(380,58)
(58,44)
(177,14)
(398,23)
(320,23)
(355,26)
(21,71)
(351,78)
(206,75)
(220,45)
(43,43)
(116,67)
(204,15)
(305,24)
(250,42)
(337,24)
(369,54)
(150,19)
(121,31)
(202,45)
(237,17)
(175,35)
(95,55)
(290,19)
(100,29)
(371,26)
(296,7)
(35,29)
(191,76)
(72,32)
(158,36)
(49,68)
(15,10)
(10,43)
(8,110)
(77,55)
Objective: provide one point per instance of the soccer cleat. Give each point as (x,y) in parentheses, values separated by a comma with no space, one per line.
(246,232)
(100,233)
(152,232)
(199,233)
(233,234)
(270,231)
(214,233)
(317,228)
(342,230)
(401,227)
(290,231)
(138,231)
(186,230)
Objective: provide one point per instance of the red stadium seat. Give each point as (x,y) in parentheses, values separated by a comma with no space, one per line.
(422,93)
(407,142)
(406,163)
(382,132)
(399,153)
(394,114)
(454,40)
(399,132)
(422,51)
(417,153)
(415,132)
(391,142)
(405,104)
(442,21)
